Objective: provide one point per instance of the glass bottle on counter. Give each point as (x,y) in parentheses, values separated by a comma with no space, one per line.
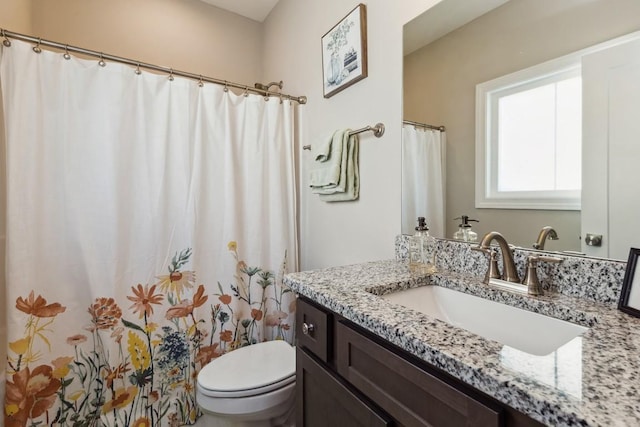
(422,249)
(465,233)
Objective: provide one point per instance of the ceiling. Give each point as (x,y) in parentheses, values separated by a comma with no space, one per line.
(257,10)
(443,18)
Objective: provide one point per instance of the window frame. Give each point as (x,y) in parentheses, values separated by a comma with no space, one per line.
(487,96)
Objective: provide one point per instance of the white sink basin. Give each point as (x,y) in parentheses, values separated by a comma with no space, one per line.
(523,330)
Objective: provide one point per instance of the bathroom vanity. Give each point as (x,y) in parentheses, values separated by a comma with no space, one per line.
(348,376)
(365,360)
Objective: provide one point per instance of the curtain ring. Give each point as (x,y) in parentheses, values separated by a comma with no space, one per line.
(171,75)
(137,70)
(6,42)
(36,48)
(101,62)
(281,98)
(226,86)
(66,52)
(200,82)
(246,91)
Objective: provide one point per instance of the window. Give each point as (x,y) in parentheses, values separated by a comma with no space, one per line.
(529,138)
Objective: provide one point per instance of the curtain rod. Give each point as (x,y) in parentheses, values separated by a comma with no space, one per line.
(424,125)
(103,56)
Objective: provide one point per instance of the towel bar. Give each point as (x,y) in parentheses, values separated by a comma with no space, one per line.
(378,131)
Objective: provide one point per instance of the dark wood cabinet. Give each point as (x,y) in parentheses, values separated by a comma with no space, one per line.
(347,376)
(324,399)
(314,330)
(411,395)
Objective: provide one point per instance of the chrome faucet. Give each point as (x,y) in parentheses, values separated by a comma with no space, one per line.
(547,232)
(509,272)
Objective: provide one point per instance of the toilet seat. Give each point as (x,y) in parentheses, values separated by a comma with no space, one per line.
(249,371)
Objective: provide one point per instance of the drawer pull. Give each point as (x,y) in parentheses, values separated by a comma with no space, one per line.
(307,328)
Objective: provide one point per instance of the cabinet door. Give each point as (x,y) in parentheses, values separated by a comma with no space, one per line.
(313,329)
(323,400)
(411,395)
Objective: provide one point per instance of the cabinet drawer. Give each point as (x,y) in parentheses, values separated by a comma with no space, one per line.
(324,400)
(408,393)
(313,329)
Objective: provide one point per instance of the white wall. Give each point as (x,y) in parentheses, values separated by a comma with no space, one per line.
(364,230)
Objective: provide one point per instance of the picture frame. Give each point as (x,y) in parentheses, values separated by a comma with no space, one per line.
(344,52)
(630,293)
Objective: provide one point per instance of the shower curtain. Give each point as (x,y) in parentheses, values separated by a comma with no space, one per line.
(423,179)
(150,222)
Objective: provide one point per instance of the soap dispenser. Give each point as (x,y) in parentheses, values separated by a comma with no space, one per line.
(465,233)
(422,249)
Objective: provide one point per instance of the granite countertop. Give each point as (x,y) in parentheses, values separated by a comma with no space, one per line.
(593,380)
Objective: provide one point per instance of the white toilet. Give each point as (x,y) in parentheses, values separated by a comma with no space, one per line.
(252,386)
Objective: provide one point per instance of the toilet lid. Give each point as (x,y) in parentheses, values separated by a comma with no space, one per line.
(255,369)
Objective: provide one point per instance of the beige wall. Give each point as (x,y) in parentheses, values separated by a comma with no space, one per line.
(15,15)
(440,82)
(364,230)
(187,35)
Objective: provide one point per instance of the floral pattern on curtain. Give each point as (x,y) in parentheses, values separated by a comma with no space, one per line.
(149,224)
(135,362)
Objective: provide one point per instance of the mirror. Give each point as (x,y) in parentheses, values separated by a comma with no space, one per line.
(450,49)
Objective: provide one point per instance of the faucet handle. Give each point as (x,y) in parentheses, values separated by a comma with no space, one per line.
(531,275)
(492,271)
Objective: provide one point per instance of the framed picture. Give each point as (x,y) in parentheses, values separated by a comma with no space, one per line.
(344,52)
(630,294)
